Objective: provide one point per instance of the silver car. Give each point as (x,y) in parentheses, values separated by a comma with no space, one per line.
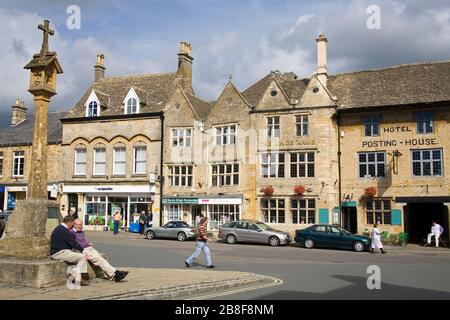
(172,230)
(253,231)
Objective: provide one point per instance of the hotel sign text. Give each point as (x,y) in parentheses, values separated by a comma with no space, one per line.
(408,142)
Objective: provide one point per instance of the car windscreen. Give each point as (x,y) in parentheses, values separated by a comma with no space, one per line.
(263,226)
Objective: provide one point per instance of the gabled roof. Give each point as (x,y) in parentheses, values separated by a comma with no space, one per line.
(202,108)
(404,84)
(155,91)
(22,134)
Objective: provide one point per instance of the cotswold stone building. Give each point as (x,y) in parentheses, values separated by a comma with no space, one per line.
(347,149)
(15,155)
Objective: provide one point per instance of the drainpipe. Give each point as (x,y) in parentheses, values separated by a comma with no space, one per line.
(161,180)
(339,167)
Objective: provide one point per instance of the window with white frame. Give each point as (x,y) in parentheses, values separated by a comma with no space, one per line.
(180,176)
(424,122)
(273,210)
(99,161)
(181,137)
(427,162)
(301,125)
(225,135)
(221,214)
(303,211)
(372,164)
(174,212)
(378,211)
(18,163)
(1,164)
(372,126)
(119,162)
(302,164)
(80,161)
(92,109)
(272,165)
(132,106)
(273,127)
(226,174)
(140,160)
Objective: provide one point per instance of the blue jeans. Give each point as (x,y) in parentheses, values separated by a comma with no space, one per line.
(116,227)
(201,246)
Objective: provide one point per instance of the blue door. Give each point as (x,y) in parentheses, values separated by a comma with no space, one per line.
(324,216)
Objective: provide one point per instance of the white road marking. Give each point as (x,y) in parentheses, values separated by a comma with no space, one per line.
(275,282)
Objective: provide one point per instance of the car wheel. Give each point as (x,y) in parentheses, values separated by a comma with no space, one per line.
(274,241)
(150,235)
(309,243)
(231,239)
(181,236)
(358,246)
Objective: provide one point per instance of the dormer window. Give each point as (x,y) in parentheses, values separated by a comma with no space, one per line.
(131,102)
(92,109)
(132,106)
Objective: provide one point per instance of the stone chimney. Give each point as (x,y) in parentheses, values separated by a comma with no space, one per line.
(185,66)
(322,72)
(100,68)
(18,113)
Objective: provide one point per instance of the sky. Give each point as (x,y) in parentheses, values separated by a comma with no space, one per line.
(245,39)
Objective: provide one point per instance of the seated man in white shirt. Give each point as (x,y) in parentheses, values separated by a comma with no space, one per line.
(436,231)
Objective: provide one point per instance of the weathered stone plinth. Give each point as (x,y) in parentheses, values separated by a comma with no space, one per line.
(25,233)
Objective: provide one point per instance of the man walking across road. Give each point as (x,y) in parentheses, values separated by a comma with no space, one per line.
(202,245)
(436,231)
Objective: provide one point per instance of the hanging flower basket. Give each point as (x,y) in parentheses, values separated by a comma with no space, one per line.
(268,191)
(299,190)
(370,192)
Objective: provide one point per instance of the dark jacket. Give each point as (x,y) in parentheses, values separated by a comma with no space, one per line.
(62,239)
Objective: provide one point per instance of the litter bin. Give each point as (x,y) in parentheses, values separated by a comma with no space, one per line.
(134,227)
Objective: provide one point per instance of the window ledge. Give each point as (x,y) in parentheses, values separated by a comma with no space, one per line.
(79,176)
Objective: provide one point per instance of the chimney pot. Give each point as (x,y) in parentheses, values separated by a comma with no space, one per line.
(185,66)
(18,112)
(322,70)
(99,68)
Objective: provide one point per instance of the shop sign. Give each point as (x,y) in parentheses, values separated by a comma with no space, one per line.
(179,200)
(220,201)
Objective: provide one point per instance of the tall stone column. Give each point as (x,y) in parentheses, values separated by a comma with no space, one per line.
(25,233)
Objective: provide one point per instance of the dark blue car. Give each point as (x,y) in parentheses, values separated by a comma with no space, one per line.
(329,236)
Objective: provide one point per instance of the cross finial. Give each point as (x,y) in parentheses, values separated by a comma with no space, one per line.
(47,31)
(230,77)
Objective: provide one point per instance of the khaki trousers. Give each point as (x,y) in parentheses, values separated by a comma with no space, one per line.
(96,259)
(72,257)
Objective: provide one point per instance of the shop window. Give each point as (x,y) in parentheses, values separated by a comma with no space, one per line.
(225,135)
(18,163)
(378,211)
(372,164)
(95,210)
(180,176)
(221,214)
(427,162)
(301,124)
(272,165)
(174,212)
(225,174)
(302,164)
(303,211)
(273,210)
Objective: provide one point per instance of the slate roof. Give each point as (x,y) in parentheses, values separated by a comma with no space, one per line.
(289,82)
(201,107)
(404,84)
(22,134)
(154,91)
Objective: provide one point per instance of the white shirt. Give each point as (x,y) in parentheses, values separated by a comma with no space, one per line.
(437,229)
(65,225)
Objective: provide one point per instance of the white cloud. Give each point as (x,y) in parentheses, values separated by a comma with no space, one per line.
(301,20)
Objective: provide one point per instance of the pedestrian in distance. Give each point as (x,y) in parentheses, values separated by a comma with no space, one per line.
(142,222)
(73,213)
(436,231)
(201,245)
(376,240)
(117,217)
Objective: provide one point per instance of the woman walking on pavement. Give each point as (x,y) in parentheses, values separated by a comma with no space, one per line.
(201,245)
(376,240)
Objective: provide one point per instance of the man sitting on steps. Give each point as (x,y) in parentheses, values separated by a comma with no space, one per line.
(93,255)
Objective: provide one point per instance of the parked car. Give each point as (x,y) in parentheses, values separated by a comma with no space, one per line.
(172,230)
(253,232)
(329,236)
(5,216)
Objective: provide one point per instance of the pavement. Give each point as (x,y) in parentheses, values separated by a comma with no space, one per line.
(143,283)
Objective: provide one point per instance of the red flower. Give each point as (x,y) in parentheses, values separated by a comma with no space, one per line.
(268,190)
(299,190)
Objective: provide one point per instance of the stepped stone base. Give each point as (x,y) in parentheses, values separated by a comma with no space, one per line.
(39,273)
